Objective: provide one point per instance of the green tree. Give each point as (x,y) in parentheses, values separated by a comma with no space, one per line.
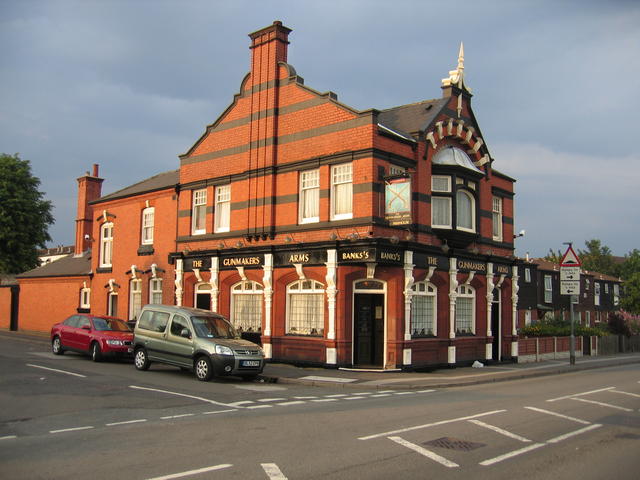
(553,257)
(597,258)
(630,300)
(24,216)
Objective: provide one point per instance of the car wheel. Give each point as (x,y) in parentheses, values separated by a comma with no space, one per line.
(140,360)
(56,346)
(203,369)
(96,353)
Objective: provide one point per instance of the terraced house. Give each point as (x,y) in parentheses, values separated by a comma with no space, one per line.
(336,237)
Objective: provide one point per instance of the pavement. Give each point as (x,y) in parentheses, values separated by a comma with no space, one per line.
(390,380)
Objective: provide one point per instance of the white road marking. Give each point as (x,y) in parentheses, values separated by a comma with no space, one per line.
(254,407)
(272,471)
(192,472)
(581,394)
(181,395)
(320,400)
(75,429)
(381,395)
(329,379)
(573,434)
(336,395)
(56,370)
(271,399)
(626,393)
(423,451)
(512,454)
(220,411)
(177,416)
(426,425)
(425,391)
(353,398)
(8,437)
(304,398)
(602,404)
(241,403)
(500,431)
(566,417)
(405,393)
(126,423)
(293,402)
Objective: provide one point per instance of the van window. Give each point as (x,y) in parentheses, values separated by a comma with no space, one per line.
(178,324)
(154,321)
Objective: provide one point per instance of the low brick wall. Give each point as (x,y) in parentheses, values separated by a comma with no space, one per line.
(538,349)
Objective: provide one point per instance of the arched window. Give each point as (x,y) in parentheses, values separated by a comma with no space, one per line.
(246,306)
(155,290)
(465,211)
(305,308)
(423,310)
(135,298)
(465,321)
(85,298)
(106,245)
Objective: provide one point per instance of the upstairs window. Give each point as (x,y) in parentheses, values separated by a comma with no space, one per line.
(199,212)
(310,196)
(341,192)
(527,275)
(440,205)
(106,245)
(465,211)
(596,293)
(223,208)
(147,225)
(497,218)
(548,289)
(446,199)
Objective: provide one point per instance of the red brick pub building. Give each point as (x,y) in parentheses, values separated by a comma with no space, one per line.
(335,237)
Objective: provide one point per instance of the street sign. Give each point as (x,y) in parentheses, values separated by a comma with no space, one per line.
(570,273)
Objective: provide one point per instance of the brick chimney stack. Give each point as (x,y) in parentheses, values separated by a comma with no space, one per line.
(89,189)
(268,47)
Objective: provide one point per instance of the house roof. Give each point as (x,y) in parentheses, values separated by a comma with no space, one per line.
(413,117)
(552,266)
(69,266)
(157,182)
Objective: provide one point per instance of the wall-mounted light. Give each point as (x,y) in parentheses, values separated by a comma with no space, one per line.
(520,234)
(395,240)
(239,244)
(333,237)
(445,247)
(288,239)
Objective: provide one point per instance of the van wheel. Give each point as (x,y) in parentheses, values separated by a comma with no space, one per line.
(56,346)
(96,353)
(203,369)
(140,359)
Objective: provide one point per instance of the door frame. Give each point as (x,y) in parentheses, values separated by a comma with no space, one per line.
(354,292)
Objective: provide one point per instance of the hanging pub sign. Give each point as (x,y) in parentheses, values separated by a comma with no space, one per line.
(312,257)
(398,201)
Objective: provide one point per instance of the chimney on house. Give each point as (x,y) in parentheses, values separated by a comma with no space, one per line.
(89,189)
(268,47)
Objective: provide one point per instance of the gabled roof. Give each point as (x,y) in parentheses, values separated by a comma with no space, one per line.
(157,182)
(69,266)
(554,267)
(414,117)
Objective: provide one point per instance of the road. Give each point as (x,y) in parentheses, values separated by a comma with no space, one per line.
(67,417)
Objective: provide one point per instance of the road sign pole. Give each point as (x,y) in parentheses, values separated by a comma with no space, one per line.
(572,352)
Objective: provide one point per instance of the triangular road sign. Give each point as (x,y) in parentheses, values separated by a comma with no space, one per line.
(570,259)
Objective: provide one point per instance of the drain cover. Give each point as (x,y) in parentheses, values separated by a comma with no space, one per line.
(454,444)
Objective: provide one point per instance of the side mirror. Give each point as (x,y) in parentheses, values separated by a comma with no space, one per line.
(185,333)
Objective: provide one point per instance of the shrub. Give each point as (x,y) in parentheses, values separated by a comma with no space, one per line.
(557,327)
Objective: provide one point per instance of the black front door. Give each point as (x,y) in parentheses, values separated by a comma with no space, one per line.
(368,338)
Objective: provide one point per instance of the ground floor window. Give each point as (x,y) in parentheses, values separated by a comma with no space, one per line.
(246,306)
(203,296)
(155,290)
(423,310)
(465,310)
(85,298)
(135,298)
(305,308)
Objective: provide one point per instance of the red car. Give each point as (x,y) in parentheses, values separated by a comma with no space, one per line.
(98,336)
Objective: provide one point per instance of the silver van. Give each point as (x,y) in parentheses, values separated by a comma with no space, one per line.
(193,339)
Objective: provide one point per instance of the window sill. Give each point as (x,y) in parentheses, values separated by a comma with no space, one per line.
(145,250)
(104,270)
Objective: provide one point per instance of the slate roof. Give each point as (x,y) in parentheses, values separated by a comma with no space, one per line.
(157,182)
(69,266)
(413,117)
(554,267)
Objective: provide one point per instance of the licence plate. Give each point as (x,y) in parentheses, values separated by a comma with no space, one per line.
(249,363)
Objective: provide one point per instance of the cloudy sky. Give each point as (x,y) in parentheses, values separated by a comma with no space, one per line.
(132,84)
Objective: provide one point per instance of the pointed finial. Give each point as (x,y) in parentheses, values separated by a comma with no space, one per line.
(456,77)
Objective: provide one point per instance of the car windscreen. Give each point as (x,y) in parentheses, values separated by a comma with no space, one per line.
(110,324)
(212,327)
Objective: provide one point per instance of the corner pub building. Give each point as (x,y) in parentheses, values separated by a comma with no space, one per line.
(335,237)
